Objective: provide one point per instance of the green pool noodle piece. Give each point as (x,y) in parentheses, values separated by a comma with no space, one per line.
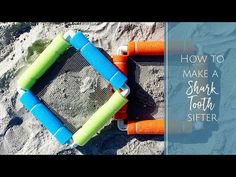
(99,119)
(45,60)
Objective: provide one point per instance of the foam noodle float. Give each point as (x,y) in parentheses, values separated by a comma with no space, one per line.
(149,48)
(98,61)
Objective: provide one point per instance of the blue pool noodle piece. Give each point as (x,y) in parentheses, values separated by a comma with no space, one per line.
(45,116)
(95,58)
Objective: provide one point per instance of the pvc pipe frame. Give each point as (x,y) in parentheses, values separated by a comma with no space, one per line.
(100,117)
(125,89)
(132,49)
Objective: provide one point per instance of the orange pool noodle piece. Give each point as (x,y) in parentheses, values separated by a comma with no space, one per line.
(146,127)
(120,62)
(146,48)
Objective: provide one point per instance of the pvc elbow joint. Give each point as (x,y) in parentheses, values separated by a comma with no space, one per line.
(121,50)
(125,90)
(72,144)
(69,35)
(121,125)
(20,91)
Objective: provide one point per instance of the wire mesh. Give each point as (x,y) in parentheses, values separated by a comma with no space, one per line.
(72,89)
(146,82)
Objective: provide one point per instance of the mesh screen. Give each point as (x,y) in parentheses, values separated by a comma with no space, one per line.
(146,82)
(72,89)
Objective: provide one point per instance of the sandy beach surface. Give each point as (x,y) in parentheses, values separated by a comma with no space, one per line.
(21,133)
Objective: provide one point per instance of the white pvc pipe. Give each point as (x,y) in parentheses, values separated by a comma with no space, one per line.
(69,35)
(121,50)
(20,91)
(121,125)
(125,90)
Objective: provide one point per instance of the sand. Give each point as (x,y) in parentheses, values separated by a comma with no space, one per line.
(75,95)
(21,133)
